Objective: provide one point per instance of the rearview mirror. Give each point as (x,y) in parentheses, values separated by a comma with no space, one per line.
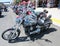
(45,11)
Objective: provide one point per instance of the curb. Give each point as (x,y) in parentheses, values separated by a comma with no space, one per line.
(56,21)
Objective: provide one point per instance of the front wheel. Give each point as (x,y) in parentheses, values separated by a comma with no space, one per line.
(10,34)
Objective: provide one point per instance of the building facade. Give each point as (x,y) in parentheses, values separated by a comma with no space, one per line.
(48,3)
(44,3)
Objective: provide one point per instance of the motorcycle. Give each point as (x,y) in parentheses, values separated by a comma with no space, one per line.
(32,23)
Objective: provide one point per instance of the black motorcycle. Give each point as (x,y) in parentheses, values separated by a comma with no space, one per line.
(32,25)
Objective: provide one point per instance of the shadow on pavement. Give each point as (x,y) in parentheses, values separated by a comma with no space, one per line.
(36,36)
(2,16)
(39,36)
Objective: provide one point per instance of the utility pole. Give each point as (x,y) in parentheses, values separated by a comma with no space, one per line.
(36,3)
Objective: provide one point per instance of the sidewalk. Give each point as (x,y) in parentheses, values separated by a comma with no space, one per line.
(55,12)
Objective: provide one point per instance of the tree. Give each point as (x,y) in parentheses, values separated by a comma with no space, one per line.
(16,1)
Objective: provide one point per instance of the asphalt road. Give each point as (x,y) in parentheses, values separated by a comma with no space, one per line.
(48,38)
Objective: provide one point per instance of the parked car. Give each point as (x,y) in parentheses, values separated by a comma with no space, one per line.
(1,7)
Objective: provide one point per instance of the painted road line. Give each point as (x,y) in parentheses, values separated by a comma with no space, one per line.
(56,20)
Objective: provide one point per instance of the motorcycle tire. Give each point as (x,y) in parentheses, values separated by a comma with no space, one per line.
(11,29)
